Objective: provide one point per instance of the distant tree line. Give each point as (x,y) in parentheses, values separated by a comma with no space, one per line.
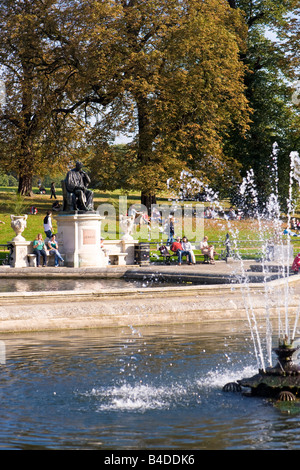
(7,180)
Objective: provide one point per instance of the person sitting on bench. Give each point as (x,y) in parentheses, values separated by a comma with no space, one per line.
(39,250)
(176,247)
(207,250)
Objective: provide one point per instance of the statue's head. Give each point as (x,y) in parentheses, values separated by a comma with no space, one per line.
(79,166)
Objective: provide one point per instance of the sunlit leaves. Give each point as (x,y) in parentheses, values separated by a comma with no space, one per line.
(36,74)
(178,65)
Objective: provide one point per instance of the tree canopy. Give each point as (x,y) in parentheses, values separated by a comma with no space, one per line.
(168,71)
(33,139)
(196,84)
(272,67)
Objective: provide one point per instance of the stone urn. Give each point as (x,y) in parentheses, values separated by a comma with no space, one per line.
(18,224)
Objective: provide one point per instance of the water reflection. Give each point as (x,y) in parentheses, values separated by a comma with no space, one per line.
(44,284)
(96,285)
(127,388)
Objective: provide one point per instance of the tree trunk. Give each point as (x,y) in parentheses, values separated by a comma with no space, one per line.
(147,200)
(25,185)
(145,153)
(232,3)
(25,174)
(26,166)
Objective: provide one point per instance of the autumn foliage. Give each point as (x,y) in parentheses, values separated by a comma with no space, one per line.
(168,73)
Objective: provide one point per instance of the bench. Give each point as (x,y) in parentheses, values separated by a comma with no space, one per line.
(32,259)
(205,259)
(167,258)
(116,257)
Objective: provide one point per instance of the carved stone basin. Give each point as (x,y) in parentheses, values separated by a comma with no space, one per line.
(281,381)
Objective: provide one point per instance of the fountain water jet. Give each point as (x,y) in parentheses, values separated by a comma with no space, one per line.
(283,380)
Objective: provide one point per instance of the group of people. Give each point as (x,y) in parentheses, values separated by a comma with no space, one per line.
(49,246)
(210,213)
(184,248)
(42,247)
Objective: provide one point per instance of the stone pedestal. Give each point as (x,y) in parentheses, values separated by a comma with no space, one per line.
(128,247)
(78,237)
(19,253)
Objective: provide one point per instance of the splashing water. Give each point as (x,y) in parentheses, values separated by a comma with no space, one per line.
(138,397)
(271,213)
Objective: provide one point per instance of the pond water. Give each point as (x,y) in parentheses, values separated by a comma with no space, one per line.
(135,388)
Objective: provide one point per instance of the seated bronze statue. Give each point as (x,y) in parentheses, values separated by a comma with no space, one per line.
(76,194)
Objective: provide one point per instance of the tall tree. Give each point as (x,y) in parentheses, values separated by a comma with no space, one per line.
(167,69)
(268,89)
(35,75)
(289,33)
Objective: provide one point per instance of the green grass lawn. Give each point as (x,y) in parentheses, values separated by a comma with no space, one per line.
(43,203)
